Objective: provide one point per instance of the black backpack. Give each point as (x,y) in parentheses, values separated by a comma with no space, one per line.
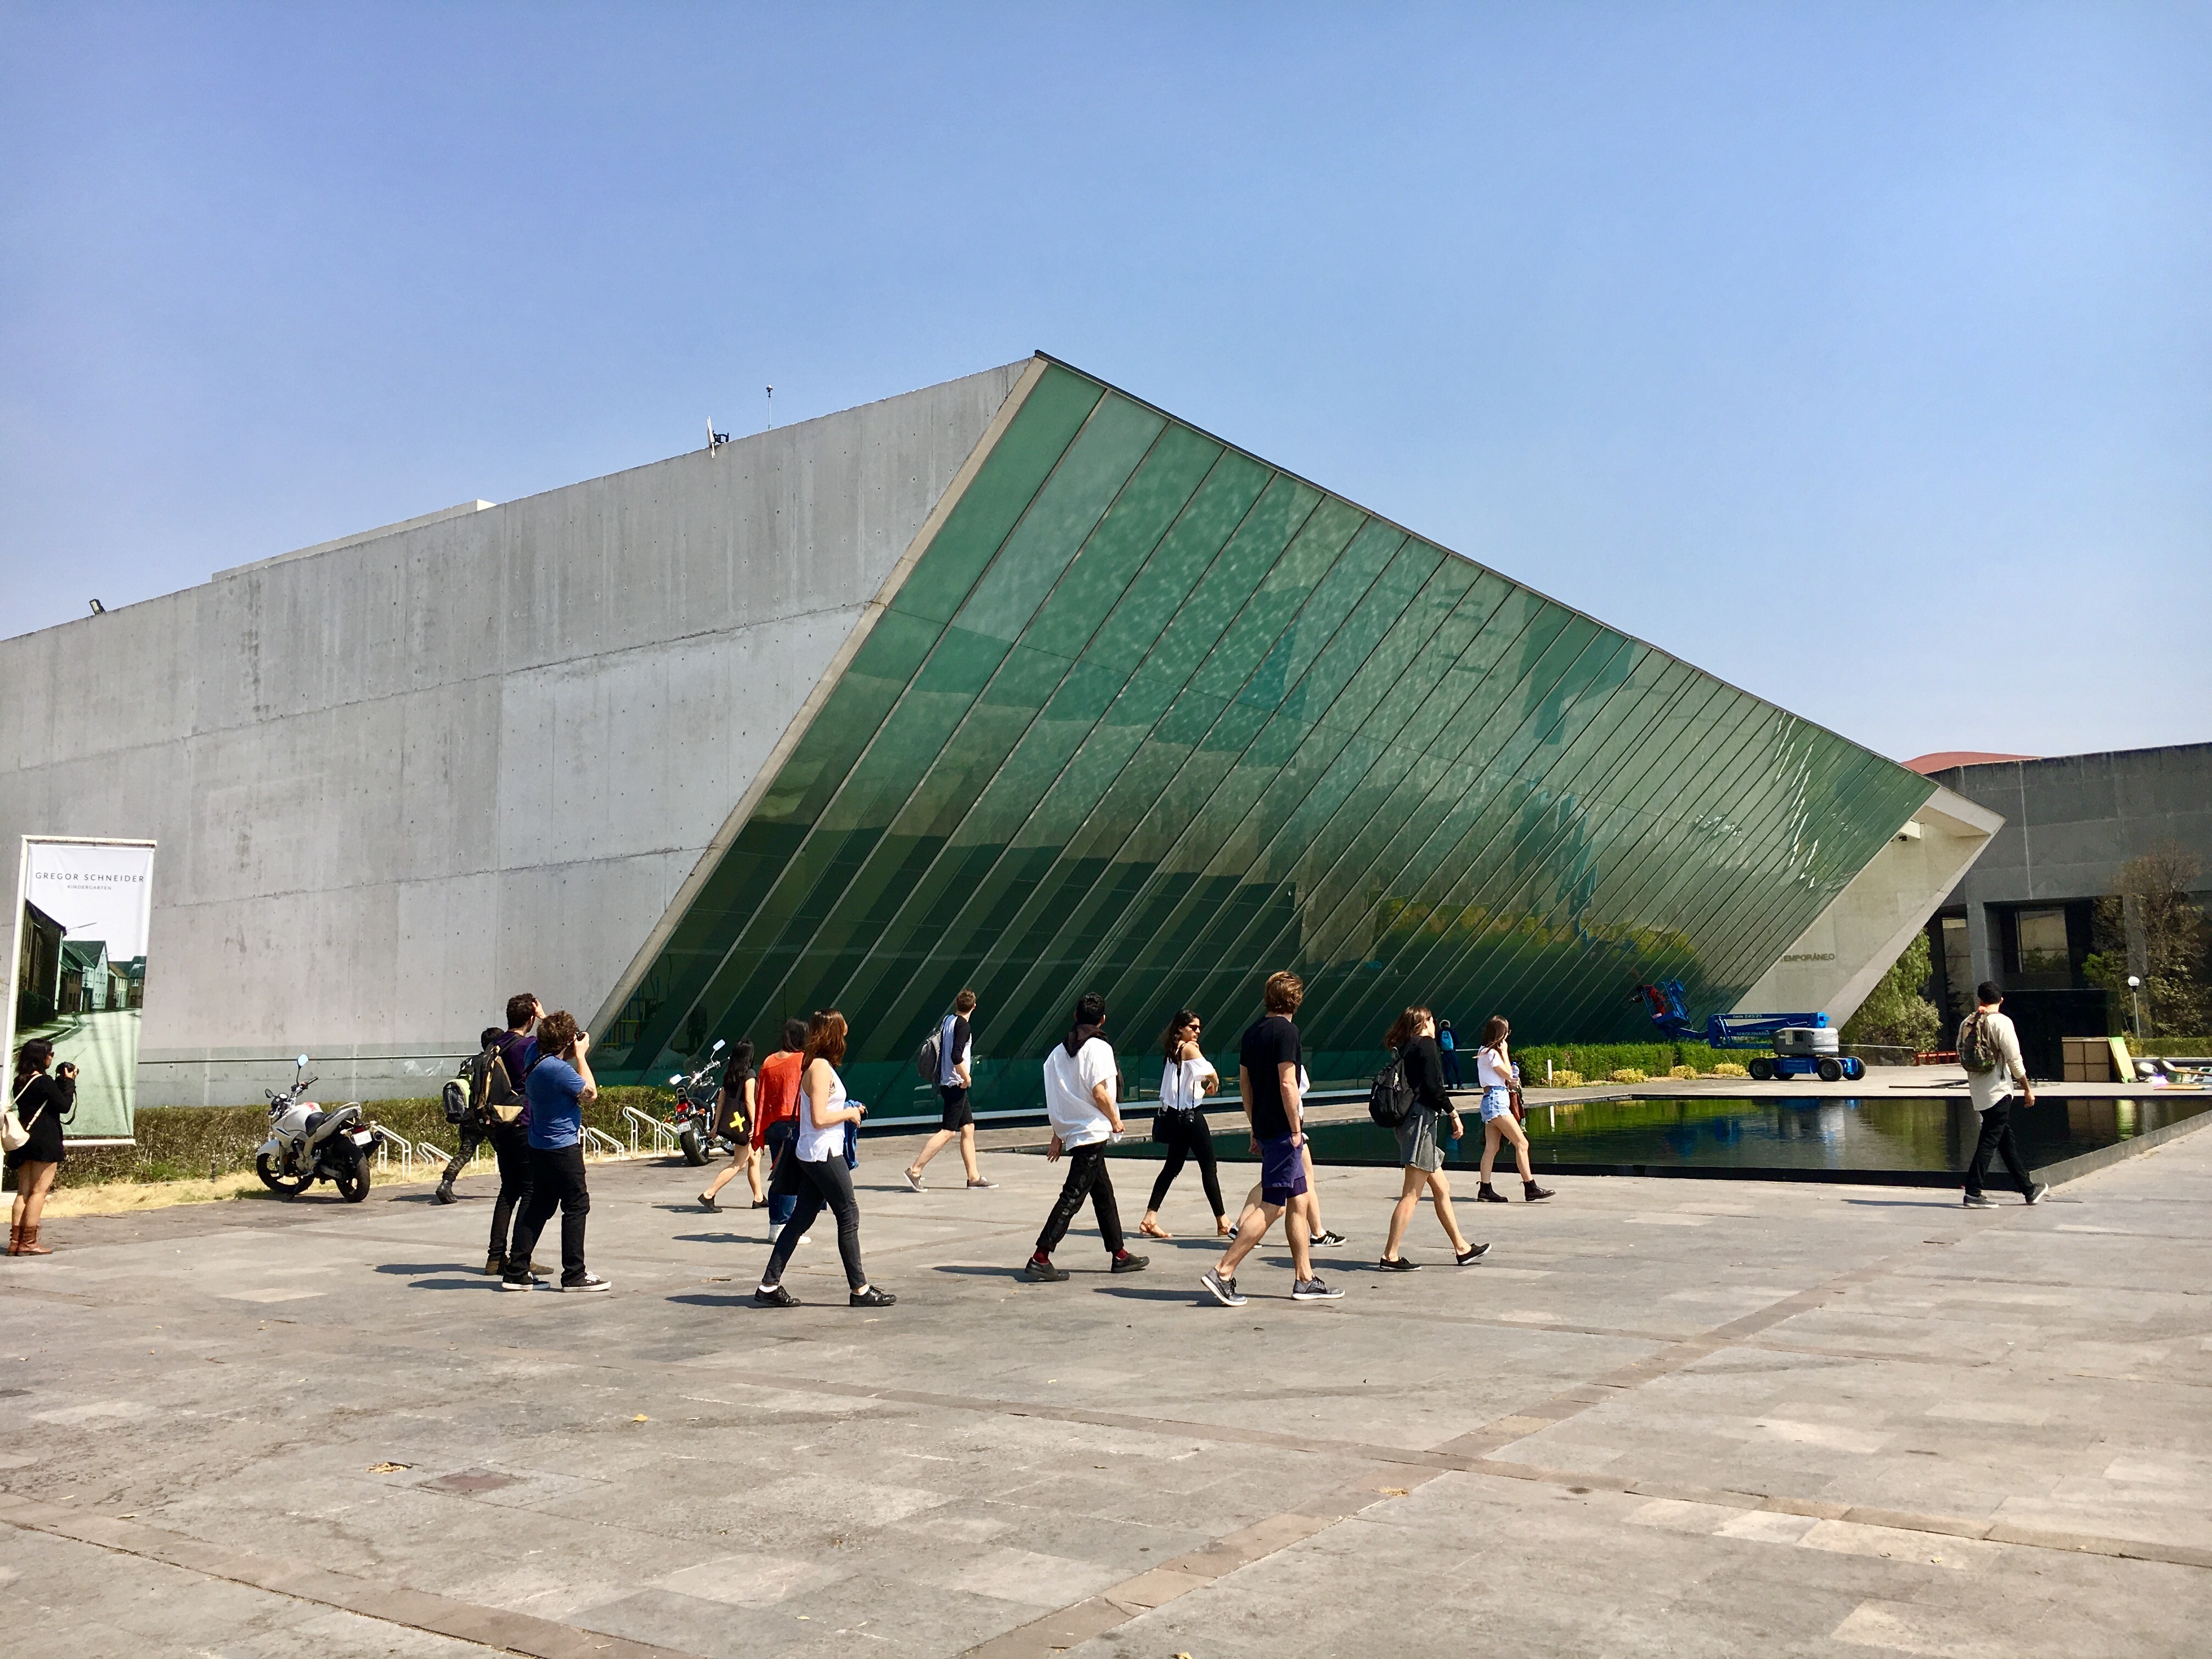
(1390,1101)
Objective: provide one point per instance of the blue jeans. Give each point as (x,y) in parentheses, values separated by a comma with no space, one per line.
(777,1139)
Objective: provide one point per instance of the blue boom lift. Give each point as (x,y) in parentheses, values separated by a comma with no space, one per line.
(1804,1045)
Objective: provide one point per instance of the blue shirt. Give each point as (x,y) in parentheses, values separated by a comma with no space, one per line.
(556,1103)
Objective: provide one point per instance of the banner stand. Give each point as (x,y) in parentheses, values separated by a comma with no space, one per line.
(77,974)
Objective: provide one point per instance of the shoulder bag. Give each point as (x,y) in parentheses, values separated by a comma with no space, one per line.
(14,1133)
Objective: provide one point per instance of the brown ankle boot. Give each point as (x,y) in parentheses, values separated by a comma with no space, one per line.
(30,1245)
(15,1239)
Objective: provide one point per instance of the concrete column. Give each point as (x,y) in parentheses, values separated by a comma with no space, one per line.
(1982,941)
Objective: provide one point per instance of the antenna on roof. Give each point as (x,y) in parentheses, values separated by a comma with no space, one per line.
(714,440)
(771,408)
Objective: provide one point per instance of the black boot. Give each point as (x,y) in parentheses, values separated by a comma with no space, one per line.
(444,1195)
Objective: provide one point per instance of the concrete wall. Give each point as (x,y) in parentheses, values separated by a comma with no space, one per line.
(2071,822)
(1842,957)
(395,779)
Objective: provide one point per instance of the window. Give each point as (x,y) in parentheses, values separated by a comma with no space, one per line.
(2045,962)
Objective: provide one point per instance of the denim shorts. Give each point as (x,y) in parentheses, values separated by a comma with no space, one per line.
(1495,1103)
(1282,1170)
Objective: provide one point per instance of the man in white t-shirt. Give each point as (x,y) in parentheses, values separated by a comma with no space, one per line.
(1079,1079)
(1989,1048)
(955,1057)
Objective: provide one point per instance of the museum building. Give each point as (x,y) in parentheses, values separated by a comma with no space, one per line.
(1016,682)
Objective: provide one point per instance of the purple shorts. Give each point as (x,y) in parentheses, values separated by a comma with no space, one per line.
(1282,1170)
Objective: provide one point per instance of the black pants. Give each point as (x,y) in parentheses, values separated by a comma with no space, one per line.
(557,1182)
(1086,1175)
(510,1144)
(473,1131)
(1997,1136)
(1187,1139)
(812,1188)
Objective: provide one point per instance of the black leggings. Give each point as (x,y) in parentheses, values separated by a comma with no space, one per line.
(815,1187)
(1186,1138)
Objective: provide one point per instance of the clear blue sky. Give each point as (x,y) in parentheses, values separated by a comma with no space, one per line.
(1862,355)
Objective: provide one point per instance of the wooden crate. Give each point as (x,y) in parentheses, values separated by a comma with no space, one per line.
(2088,1059)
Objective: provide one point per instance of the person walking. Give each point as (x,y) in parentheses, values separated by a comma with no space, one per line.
(1267,1080)
(495,1101)
(1493,1070)
(813,1171)
(1989,1047)
(1080,1082)
(41,1101)
(1309,1201)
(775,1122)
(1448,1046)
(956,1059)
(559,1087)
(1180,1125)
(1412,1038)
(735,1107)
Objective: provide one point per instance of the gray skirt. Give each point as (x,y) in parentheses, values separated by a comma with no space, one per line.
(1416,1141)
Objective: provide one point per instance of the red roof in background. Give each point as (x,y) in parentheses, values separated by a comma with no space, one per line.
(1944,759)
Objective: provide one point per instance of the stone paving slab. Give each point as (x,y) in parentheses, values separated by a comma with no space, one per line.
(1778,1419)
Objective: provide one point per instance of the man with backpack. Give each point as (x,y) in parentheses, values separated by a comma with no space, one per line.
(946,1059)
(1989,1048)
(491,1107)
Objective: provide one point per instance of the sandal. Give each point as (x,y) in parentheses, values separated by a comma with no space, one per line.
(1150,1230)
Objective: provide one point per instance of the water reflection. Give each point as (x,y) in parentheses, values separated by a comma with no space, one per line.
(1915,1133)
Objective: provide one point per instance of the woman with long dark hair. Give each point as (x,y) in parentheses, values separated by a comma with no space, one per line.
(1186,1079)
(734,1109)
(1412,1038)
(814,1173)
(1493,1070)
(41,1102)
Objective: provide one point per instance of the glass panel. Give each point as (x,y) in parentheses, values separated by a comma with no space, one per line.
(1151,718)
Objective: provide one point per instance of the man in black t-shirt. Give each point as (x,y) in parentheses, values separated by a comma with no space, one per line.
(1267,1078)
(955,1074)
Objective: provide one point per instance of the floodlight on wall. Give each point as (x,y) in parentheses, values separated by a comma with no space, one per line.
(714,440)
(98,609)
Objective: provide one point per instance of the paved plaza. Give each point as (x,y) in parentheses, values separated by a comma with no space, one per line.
(1667,1417)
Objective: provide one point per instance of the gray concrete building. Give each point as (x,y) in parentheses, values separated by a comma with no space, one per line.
(1016,682)
(2023,914)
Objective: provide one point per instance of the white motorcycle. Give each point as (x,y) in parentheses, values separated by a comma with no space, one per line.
(306,1143)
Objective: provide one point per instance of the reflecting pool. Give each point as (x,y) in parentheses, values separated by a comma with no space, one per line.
(1915,1137)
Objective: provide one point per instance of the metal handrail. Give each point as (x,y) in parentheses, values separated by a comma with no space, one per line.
(605,1142)
(664,1138)
(391,1139)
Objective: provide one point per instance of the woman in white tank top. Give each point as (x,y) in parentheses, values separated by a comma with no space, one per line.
(1493,1069)
(815,1175)
(1186,1079)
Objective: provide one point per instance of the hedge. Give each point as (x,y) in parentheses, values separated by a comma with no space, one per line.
(180,1143)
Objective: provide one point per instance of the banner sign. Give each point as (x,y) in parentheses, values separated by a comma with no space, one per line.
(79,978)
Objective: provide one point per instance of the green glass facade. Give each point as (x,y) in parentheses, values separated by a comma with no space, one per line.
(1152,717)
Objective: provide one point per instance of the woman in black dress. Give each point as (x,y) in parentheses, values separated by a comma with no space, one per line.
(41,1102)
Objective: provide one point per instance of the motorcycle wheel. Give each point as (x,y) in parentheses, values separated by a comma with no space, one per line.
(353,1184)
(693,1151)
(282,1185)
